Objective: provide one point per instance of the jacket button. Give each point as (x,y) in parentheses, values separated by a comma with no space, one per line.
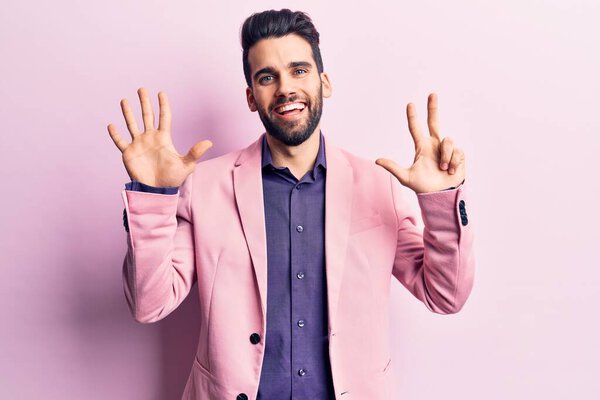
(254,339)
(125,224)
(463,212)
(241,396)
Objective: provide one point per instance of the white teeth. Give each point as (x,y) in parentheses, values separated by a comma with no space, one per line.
(293,106)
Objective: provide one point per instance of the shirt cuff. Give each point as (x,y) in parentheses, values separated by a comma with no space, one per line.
(454,187)
(141,187)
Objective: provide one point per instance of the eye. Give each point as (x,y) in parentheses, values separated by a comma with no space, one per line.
(305,71)
(265,79)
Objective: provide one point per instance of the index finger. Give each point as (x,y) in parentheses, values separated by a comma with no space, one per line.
(413,125)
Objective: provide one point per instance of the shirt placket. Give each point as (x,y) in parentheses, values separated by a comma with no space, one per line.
(298,251)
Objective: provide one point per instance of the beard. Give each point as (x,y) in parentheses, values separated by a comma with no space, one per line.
(295,132)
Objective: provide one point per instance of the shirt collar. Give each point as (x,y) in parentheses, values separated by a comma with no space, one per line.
(268,160)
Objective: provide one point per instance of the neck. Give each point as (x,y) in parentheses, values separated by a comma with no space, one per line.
(299,159)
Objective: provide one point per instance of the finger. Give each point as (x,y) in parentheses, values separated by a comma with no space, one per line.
(400,173)
(164,119)
(457,159)
(147,113)
(413,126)
(197,150)
(119,141)
(129,118)
(432,115)
(446,148)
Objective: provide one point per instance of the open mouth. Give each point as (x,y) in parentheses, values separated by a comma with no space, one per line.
(290,110)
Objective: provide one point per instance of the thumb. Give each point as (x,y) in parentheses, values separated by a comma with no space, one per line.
(402,174)
(198,150)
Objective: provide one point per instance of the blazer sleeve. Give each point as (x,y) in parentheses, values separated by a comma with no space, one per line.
(159,266)
(436,265)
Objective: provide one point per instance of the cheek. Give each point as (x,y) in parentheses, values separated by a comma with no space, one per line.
(264,109)
(262,103)
(316,93)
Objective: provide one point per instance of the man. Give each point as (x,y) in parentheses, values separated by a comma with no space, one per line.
(292,241)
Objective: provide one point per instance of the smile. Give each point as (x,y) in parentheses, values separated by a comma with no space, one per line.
(291,110)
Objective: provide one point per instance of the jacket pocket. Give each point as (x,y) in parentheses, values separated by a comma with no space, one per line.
(202,369)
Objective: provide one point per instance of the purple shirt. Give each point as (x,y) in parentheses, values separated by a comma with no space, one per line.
(296,363)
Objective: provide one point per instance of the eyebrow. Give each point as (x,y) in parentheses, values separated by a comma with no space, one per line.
(271,70)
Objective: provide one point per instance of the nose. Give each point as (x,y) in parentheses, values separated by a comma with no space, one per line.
(285,87)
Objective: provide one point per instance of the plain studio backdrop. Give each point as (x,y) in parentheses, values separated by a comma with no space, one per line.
(518,90)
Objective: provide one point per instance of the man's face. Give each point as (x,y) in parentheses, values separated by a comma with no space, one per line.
(283,72)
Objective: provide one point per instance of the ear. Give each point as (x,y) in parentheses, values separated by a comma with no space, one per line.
(326,84)
(250,99)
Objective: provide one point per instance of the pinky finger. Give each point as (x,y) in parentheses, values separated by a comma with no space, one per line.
(458,157)
(114,135)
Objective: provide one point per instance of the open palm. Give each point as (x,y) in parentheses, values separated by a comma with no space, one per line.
(151,157)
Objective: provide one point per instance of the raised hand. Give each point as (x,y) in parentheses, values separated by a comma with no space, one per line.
(151,157)
(438,164)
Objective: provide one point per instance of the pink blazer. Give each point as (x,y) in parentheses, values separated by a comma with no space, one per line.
(213,233)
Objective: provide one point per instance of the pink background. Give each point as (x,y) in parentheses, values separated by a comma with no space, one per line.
(518,91)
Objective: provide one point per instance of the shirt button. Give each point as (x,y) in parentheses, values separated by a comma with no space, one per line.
(298,187)
(301,372)
(301,323)
(299,228)
(300,275)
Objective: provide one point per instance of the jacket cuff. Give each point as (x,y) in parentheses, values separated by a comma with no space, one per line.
(444,209)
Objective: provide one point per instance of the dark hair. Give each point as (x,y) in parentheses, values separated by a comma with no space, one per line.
(275,24)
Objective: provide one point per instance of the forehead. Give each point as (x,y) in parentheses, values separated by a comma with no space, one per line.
(279,52)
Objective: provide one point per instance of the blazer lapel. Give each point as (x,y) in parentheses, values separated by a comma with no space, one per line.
(248,189)
(338,209)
